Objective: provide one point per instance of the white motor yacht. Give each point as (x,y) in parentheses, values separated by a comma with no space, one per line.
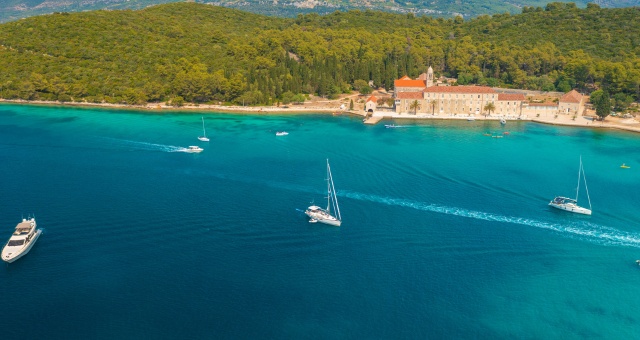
(21,240)
(193,149)
(282,133)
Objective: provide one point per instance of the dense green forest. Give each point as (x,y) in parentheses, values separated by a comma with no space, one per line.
(15,9)
(201,53)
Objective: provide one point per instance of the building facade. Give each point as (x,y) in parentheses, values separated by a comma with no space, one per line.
(420,96)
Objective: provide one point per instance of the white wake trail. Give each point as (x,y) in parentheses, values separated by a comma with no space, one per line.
(584,230)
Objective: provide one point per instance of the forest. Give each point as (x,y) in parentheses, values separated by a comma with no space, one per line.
(189,52)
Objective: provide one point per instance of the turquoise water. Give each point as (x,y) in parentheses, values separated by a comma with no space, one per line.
(446,232)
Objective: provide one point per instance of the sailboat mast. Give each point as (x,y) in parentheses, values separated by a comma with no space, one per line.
(328,187)
(578,187)
(203,130)
(332,193)
(585,183)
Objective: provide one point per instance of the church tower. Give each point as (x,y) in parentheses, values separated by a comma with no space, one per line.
(429,77)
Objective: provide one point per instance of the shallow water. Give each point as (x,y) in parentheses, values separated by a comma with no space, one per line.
(446,232)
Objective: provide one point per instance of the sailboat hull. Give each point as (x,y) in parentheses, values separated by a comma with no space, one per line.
(571,208)
(320,215)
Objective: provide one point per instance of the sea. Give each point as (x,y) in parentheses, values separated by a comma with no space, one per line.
(446,231)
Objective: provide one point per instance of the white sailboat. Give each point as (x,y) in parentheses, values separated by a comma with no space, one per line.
(204,137)
(570,204)
(317,214)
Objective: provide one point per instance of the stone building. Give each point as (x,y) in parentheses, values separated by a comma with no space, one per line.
(571,103)
(453,100)
(371,105)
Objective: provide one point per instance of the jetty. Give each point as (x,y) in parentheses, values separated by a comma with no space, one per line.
(373,120)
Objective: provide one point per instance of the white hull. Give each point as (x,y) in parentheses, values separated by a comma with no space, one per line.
(330,220)
(571,208)
(193,149)
(16,254)
(204,139)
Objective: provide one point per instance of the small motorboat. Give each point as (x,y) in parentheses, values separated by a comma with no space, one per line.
(193,149)
(503,121)
(496,136)
(624,166)
(506,133)
(282,133)
(471,119)
(21,241)
(487,134)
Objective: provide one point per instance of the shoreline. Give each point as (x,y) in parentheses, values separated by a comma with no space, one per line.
(160,107)
(630,125)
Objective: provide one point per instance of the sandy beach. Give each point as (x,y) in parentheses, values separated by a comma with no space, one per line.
(319,105)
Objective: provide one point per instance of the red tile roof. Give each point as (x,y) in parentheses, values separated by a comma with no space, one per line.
(405,77)
(571,97)
(402,82)
(372,99)
(511,96)
(410,95)
(459,89)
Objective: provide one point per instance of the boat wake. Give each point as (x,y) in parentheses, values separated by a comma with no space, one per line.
(137,145)
(580,229)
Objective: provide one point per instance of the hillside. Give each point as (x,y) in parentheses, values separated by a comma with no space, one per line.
(202,53)
(16,9)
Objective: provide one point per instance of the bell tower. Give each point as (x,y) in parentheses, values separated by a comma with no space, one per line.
(429,77)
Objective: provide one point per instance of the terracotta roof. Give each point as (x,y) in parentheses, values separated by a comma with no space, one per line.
(409,82)
(410,95)
(459,89)
(571,97)
(510,96)
(372,99)
(543,104)
(405,77)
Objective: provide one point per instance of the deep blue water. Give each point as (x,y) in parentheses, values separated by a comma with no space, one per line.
(446,232)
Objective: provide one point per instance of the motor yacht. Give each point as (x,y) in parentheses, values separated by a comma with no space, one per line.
(21,241)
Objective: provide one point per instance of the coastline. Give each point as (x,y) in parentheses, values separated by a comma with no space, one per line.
(630,125)
(160,107)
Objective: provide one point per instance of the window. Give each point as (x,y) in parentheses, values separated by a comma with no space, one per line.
(13,243)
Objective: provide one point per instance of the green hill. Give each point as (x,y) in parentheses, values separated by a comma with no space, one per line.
(16,9)
(203,53)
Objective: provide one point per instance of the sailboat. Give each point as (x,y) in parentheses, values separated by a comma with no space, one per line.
(204,137)
(570,204)
(317,214)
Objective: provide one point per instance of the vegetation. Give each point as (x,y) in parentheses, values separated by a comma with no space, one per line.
(15,9)
(602,103)
(415,105)
(489,108)
(188,52)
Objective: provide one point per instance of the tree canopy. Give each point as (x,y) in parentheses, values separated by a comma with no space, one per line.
(201,53)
